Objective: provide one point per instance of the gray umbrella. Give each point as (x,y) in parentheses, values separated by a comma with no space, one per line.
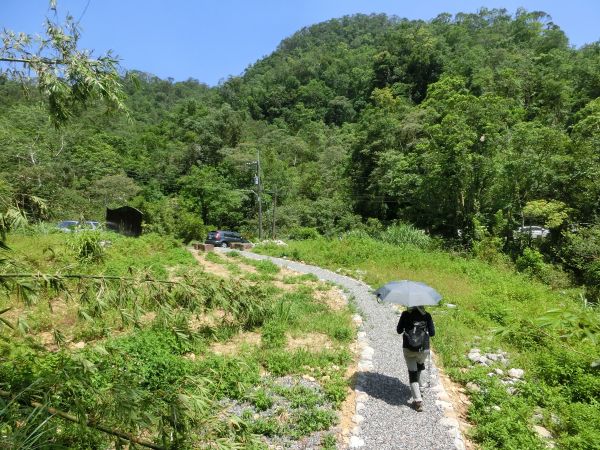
(408,293)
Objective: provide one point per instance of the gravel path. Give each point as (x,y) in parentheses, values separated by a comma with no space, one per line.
(384,419)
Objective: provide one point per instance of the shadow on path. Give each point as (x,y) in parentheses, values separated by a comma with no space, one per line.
(389,389)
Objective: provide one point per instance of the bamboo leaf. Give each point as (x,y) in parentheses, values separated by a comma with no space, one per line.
(7,323)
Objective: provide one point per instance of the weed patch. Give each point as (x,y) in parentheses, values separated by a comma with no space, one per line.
(159,346)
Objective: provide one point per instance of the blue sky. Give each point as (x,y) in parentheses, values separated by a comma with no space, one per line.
(211,40)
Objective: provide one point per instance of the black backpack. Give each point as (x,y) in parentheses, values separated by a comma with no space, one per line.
(416,336)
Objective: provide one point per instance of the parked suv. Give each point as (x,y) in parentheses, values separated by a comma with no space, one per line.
(223,238)
(533,231)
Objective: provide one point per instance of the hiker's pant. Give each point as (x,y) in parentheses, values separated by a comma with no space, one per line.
(415,359)
(415,362)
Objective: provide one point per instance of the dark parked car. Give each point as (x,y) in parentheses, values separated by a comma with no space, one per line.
(223,238)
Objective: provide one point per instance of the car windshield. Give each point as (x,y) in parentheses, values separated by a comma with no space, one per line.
(67,223)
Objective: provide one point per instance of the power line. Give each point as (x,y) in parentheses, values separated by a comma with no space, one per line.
(84,11)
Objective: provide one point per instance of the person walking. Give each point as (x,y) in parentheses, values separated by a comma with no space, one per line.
(416,327)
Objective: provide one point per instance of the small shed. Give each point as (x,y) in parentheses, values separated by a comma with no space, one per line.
(125,220)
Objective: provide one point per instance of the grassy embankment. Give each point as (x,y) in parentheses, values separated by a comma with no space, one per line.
(205,359)
(547,333)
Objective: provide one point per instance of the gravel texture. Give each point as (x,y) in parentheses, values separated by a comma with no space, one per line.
(384,417)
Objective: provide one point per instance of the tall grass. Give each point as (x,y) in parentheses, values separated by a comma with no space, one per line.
(399,234)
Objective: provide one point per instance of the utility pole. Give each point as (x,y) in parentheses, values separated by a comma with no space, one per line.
(258,192)
(274,193)
(259,188)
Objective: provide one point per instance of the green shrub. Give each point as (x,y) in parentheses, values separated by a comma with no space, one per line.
(310,420)
(87,246)
(264,266)
(402,234)
(328,442)
(303,233)
(273,335)
(336,388)
(260,399)
(530,261)
(231,377)
(578,427)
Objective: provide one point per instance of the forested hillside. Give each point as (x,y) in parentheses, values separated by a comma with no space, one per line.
(467,126)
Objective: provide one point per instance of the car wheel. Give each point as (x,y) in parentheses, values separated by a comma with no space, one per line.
(224,244)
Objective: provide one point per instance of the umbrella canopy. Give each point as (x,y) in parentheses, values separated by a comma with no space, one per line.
(408,293)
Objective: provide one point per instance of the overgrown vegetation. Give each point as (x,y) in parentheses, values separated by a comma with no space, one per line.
(121,337)
(466,126)
(551,334)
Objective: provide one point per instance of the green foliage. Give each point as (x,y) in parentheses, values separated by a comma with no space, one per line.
(580,253)
(302,233)
(552,214)
(550,334)
(118,343)
(273,335)
(463,126)
(531,261)
(66,75)
(405,234)
(87,246)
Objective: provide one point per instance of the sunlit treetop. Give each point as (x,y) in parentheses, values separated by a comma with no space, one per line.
(68,77)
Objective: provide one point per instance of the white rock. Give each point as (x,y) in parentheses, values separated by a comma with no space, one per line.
(356,442)
(365,365)
(542,432)
(443,396)
(474,357)
(361,396)
(443,405)
(357,418)
(450,305)
(473,387)
(449,422)
(499,371)
(516,373)
(367,353)
(496,408)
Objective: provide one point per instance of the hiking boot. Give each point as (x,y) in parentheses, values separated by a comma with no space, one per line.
(418,406)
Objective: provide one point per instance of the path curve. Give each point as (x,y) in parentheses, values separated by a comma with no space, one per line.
(383,419)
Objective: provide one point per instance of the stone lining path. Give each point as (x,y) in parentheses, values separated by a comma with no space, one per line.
(384,419)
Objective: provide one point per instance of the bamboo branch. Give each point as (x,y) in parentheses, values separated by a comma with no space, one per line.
(87,277)
(37,59)
(86,422)
(33,60)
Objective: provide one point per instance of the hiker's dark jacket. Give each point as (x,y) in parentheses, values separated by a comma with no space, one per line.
(407,320)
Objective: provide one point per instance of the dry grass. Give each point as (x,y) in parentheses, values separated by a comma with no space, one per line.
(236,344)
